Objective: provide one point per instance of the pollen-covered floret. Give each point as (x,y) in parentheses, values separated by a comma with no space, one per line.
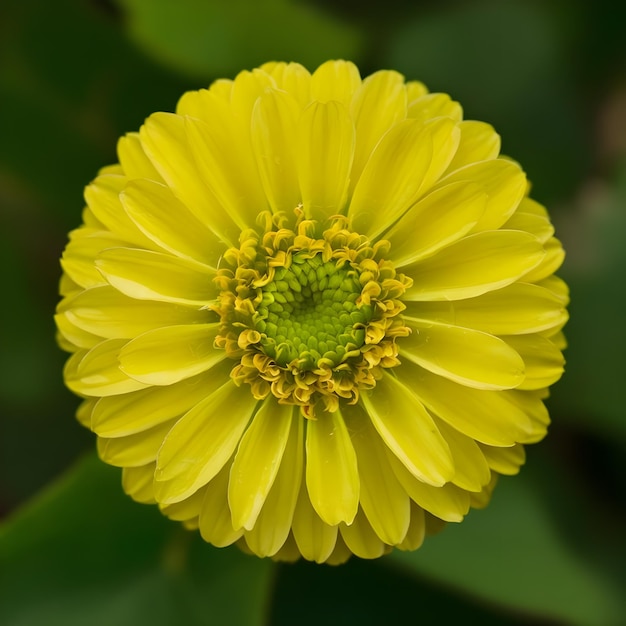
(311,313)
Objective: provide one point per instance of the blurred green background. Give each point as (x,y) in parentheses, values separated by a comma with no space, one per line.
(75,75)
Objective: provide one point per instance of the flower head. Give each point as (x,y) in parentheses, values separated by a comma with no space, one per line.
(312,314)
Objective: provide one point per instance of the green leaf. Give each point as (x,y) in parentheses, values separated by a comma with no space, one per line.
(216,38)
(591,392)
(84,553)
(376,593)
(512,554)
(504,62)
(70,84)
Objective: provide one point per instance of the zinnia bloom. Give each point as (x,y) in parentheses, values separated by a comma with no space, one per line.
(311,314)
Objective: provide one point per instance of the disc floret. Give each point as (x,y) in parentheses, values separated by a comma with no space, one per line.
(310,313)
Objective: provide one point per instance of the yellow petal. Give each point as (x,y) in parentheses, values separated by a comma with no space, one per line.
(167,355)
(315,539)
(437,220)
(482,499)
(67,287)
(335,80)
(325,139)
(115,169)
(448,502)
(134,160)
(434,524)
(445,136)
(215,523)
(201,442)
(185,510)
(332,476)
(383,500)
(273,525)
(558,339)
(479,142)
(519,308)
(107,312)
(191,524)
(228,171)
(292,78)
(164,139)
(289,552)
(505,461)
(85,410)
(361,539)
(273,126)
(414,90)
(491,417)
(432,105)
(118,416)
(543,360)
(396,172)
(408,430)
(97,372)
(148,275)
(471,468)
(557,287)
(463,355)
(538,225)
(134,450)
(378,104)
(257,461)
(504,183)
(246,89)
(79,254)
(417,529)
(551,262)
(137,483)
(201,103)
(340,554)
(531,403)
(74,335)
(166,221)
(103,198)
(475,265)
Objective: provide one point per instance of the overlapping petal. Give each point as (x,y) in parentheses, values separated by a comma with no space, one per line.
(436,220)
(464,355)
(409,431)
(273,524)
(273,126)
(517,309)
(106,312)
(378,104)
(402,165)
(360,217)
(500,423)
(385,503)
(96,372)
(165,141)
(315,539)
(257,462)
(201,442)
(332,476)
(167,355)
(475,265)
(325,138)
(147,275)
(165,220)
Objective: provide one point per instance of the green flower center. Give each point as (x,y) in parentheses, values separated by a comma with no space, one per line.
(310,312)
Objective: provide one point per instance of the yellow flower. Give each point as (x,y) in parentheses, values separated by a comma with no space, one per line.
(311,314)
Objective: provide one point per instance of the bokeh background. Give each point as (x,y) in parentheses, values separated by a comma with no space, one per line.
(75,75)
